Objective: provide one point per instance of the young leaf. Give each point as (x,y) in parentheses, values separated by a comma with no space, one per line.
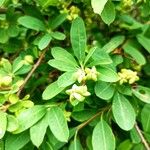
(12,123)
(62,65)
(98,5)
(58,35)
(104,90)
(113,43)
(29,117)
(132,51)
(123,112)
(107,74)
(58,20)
(103,137)
(106,16)
(37,132)
(31,23)
(78,38)
(44,41)
(52,90)
(75,145)
(135,136)
(145,118)
(66,79)
(89,55)
(142,93)
(16,142)
(61,54)
(3,124)
(58,124)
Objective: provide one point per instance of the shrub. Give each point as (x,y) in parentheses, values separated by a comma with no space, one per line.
(74,74)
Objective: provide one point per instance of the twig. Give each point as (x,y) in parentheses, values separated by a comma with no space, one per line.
(92,118)
(3,10)
(32,71)
(145,143)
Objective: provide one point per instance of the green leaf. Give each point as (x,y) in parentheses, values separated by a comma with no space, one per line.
(113,43)
(58,35)
(44,41)
(100,57)
(4,36)
(29,117)
(66,79)
(47,3)
(104,90)
(98,5)
(89,55)
(31,23)
(51,91)
(135,136)
(103,137)
(107,74)
(58,124)
(61,54)
(142,93)
(16,142)
(12,123)
(75,145)
(3,124)
(62,65)
(38,131)
(83,115)
(125,145)
(136,54)
(106,16)
(58,20)
(123,112)
(78,38)
(145,118)
(144,41)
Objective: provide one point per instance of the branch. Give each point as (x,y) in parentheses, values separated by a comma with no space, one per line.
(145,143)
(32,71)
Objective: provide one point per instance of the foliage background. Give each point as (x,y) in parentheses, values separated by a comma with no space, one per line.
(47,46)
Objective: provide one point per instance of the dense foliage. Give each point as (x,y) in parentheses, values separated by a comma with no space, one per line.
(74,74)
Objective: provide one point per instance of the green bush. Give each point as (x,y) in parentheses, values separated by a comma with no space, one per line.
(74,74)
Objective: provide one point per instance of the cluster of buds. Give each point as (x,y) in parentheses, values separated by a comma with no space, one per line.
(127,4)
(77,94)
(73,12)
(127,75)
(86,74)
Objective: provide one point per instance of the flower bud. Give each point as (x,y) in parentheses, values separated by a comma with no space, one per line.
(28,59)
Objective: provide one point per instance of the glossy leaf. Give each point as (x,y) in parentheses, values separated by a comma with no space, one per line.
(49,93)
(66,79)
(16,142)
(78,38)
(98,5)
(31,23)
(38,131)
(44,41)
(61,54)
(123,112)
(12,123)
(58,124)
(135,53)
(142,93)
(106,16)
(103,137)
(32,116)
(104,90)
(107,74)
(145,118)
